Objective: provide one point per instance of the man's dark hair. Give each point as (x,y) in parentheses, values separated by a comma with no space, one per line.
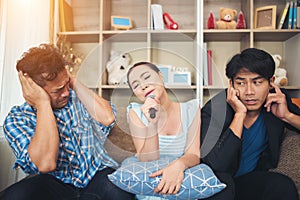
(252,60)
(42,63)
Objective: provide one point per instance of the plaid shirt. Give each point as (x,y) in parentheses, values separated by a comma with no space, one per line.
(81,152)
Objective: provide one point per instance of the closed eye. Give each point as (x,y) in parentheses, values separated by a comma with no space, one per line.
(147,77)
(135,86)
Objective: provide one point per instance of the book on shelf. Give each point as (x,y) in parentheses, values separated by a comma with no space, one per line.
(291,12)
(292,22)
(286,21)
(205,72)
(294,26)
(298,14)
(283,15)
(157,22)
(209,66)
(65,16)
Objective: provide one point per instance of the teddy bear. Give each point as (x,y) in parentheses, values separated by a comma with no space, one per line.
(117,67)
(280,73)
(227,19)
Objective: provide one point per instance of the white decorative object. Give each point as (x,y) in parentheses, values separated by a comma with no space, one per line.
(157,22)
(280,73)
(117,68)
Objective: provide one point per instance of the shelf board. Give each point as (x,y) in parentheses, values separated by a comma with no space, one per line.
(125,36)
(131,31)
(127,87)
(81,36)
(211,87)
(173,35)
(259,34)
(291,87)
(225,35)
(156,35)
(274,35)
(182,87)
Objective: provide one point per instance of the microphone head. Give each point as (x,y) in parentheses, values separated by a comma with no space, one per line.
(152,112)
(152,96)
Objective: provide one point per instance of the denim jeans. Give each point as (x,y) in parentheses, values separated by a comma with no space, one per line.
(258,185)
(47,187)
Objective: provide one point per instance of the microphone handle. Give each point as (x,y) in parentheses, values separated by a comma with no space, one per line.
(152,112)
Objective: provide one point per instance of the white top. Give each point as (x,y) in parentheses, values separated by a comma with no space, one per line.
(173,145)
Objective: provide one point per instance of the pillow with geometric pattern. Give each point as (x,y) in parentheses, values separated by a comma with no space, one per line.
(133,176)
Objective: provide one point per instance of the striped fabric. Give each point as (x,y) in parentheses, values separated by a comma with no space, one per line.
(172,145)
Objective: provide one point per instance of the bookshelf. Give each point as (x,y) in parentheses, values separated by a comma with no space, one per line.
(94,38)
(225,43)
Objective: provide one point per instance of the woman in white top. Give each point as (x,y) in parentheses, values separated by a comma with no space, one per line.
(174,130)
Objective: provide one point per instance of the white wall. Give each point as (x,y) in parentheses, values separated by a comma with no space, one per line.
(24,24)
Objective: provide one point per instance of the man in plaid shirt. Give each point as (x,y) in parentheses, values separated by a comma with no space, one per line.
(58,133)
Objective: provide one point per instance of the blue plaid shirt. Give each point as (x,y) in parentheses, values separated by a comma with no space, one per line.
(81,149)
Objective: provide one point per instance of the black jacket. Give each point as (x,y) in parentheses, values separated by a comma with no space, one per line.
(221,149)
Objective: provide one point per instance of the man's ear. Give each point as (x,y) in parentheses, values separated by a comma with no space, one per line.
(271,81)
(231,83)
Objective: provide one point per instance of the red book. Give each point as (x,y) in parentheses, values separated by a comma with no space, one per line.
(209,66)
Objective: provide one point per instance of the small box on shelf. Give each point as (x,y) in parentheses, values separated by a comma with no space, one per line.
(175,76)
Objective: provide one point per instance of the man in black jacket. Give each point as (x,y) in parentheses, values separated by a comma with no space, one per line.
(242,130)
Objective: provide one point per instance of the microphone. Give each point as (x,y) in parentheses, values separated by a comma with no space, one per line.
(152,111)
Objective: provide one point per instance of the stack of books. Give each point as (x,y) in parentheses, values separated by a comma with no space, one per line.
(290,17)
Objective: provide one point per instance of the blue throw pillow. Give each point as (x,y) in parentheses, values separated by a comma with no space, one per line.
(133,176)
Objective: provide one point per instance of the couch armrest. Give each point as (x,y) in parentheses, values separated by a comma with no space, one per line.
(290,157)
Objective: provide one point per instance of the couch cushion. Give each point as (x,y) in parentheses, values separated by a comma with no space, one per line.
(290,157)
(119,144)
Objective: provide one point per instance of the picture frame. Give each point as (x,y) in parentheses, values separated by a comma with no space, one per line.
(166,71)
(265,17)
(175,78)
(121,22)
(181,78)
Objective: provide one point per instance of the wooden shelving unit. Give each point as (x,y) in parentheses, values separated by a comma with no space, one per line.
(94,37)
(225,43)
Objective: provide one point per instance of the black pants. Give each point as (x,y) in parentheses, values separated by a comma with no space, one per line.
(47,187)
(258,185)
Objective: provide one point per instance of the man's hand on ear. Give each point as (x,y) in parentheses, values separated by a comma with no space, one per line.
(276,103)
(32,92)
